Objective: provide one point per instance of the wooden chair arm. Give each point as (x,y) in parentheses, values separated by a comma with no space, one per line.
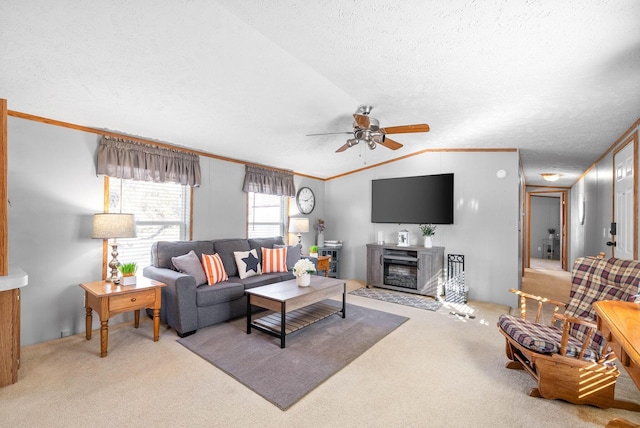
(541,302)
(566,326)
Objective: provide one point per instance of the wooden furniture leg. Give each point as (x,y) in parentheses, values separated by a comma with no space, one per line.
(88,322)
(156,324)
(136,318)
(104,337)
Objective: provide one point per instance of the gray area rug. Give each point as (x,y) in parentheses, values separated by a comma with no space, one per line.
(406,299)
(312,355)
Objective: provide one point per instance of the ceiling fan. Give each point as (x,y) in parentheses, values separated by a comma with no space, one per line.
(367,130)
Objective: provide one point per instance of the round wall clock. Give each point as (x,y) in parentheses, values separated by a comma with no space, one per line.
(306,200)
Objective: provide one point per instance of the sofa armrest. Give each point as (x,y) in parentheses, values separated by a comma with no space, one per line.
(178,298)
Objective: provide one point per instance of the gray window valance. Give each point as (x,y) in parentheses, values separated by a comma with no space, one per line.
(268,181)
(121,158)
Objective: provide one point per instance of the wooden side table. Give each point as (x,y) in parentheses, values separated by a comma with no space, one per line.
(323,264)
(109,299)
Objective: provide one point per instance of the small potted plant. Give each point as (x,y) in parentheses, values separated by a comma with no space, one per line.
(552,233)
(428,230)
(313,251)
(303,270)
(128,271)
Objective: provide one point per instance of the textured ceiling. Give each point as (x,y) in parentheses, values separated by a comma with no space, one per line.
(248,79)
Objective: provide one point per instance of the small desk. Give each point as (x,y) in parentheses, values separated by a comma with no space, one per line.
(109,299)
(619,323)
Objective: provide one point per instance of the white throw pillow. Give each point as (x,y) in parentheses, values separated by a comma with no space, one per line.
(248,263)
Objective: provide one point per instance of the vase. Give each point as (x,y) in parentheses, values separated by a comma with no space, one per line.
(428,241)
(128,280)
(304,280)
(320,239)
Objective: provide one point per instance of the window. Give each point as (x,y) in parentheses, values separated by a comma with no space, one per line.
(162,213)
(267,215)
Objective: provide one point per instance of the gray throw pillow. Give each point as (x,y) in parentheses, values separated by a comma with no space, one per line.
(191,265)
(294,252)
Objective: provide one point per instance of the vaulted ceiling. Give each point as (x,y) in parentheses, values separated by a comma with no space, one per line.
(249,79)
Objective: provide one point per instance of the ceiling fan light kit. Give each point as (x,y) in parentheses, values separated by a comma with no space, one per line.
(367,129)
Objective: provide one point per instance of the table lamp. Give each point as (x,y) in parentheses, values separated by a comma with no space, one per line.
(113,226)
(299,226)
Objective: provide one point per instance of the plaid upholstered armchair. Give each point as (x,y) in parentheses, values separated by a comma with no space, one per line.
(569,358)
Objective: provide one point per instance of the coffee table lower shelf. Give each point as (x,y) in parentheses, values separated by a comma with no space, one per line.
(294,320)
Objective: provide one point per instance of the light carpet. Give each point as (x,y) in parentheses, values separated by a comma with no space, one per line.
(312,355)
(435,370)
(405,299)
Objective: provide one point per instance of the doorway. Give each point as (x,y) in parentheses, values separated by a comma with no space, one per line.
(547,229)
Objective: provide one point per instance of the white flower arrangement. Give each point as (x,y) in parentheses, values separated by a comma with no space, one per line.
(303,266)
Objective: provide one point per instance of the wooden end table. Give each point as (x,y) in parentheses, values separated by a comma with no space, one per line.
(109,299)
(323,264)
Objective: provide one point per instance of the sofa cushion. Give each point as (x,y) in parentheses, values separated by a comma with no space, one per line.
(225,248)
(274,260)
(163,251)
(225,291)
(258,243)
(294,252)
(260,280)
(213,268)
(542,338)
(248,263)
(190,264)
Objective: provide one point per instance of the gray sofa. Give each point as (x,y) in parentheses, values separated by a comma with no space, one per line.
(189,304)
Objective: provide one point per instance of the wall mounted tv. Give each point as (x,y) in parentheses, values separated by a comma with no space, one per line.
(413,200)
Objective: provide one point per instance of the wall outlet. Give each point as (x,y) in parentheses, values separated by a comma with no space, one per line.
(65,333)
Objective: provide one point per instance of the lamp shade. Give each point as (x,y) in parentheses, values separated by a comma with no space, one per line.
(108,226)
(299,225)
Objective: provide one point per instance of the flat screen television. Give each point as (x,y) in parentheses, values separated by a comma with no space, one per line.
(413,200)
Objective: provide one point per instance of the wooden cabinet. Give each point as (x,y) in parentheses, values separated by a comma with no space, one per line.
(374,266)
(10,324)
(9,336)
(412,269)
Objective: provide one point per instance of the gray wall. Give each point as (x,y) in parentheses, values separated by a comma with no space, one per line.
(53,193)
(485,227)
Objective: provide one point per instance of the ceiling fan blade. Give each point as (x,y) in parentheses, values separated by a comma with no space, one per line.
(350,143)
(330,133)
(390,144)
(362,120)
(406,129)
(344,147)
